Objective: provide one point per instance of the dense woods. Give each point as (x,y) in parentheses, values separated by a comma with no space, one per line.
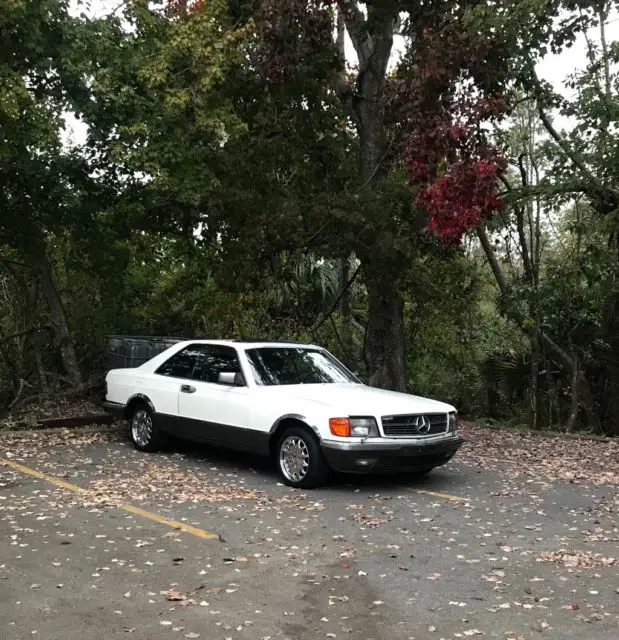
(392,179)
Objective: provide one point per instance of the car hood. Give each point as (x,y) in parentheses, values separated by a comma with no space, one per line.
(359,399)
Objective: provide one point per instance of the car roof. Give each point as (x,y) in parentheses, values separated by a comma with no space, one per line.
(254,344)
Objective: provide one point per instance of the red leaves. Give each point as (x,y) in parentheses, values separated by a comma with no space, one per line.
(181,7)
(296,35)
(459,199)
(450,161)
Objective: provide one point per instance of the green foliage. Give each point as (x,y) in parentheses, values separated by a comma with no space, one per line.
(211,201)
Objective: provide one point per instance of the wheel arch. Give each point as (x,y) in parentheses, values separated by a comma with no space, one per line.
(286,421)
(138,398)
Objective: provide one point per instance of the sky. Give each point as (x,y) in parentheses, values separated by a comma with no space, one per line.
(553,68)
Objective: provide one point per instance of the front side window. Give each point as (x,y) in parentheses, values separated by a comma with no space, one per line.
(290,365)
(181,364)
(216,359)
(203,362)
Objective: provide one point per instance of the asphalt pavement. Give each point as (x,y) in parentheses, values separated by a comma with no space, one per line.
(99,541)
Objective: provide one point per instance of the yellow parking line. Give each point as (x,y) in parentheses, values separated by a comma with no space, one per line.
(439,494)
(176,524)
(155,517)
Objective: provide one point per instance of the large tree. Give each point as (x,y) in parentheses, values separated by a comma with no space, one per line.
(425,116)
(40,181)
(582,166)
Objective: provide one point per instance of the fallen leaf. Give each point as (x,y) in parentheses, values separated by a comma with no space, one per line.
(573,559)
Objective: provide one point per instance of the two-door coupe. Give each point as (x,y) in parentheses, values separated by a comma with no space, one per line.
(295,402)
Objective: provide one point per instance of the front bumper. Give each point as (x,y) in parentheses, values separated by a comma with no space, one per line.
(390,457)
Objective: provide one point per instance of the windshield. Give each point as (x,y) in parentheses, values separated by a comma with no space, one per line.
(290,365)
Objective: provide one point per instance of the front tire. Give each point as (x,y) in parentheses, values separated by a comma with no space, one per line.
(300,460)
(145,434)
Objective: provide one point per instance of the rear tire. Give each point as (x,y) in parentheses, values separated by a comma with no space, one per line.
(145,434)
(299,459)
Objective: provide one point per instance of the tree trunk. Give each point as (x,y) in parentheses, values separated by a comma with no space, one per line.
(535,403)
(574,400)
(344,275)
(561,357)
(609,358)
(384,337)
(371,35)
(58,320)
(38,360)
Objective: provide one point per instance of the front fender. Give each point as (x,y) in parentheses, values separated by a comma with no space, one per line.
(295,416)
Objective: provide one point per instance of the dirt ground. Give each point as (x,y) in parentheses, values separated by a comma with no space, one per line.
(515,539)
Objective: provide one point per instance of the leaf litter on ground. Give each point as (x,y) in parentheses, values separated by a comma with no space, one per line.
(556,457)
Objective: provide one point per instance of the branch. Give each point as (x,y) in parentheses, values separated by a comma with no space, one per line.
(506,183)
(356,27)
(492,260)
(526,259)
(343,89)
(15,262)
(6,339)
(603,14)
(337,300)
(314,235)
(341,37)
(22,385)
(577,186)
(565,147)
(561,357)
(337,335)
(376,168)
(595,189)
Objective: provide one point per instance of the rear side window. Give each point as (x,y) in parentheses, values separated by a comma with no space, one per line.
(202,362)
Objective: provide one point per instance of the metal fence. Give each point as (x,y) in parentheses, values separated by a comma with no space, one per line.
(132,351)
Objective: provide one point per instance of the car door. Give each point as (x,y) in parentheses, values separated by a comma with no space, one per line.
(165,384)
(213,412)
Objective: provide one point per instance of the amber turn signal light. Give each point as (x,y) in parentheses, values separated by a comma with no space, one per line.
(340,427)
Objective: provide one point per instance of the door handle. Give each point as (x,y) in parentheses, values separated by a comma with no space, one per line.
(187,388)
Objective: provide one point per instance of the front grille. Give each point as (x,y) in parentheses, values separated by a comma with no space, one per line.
(415,424)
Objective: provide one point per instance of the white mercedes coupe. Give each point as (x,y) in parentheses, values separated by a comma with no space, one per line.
(294,402)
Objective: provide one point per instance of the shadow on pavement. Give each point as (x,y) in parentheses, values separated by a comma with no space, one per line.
(440,479)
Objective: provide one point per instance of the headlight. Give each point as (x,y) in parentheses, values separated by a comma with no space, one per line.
(363,427)
(359,427)
(453,422)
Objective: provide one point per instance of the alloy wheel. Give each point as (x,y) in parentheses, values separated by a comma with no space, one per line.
(142,427)
(294,458)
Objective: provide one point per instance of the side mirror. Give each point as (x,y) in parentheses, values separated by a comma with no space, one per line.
(231,379)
